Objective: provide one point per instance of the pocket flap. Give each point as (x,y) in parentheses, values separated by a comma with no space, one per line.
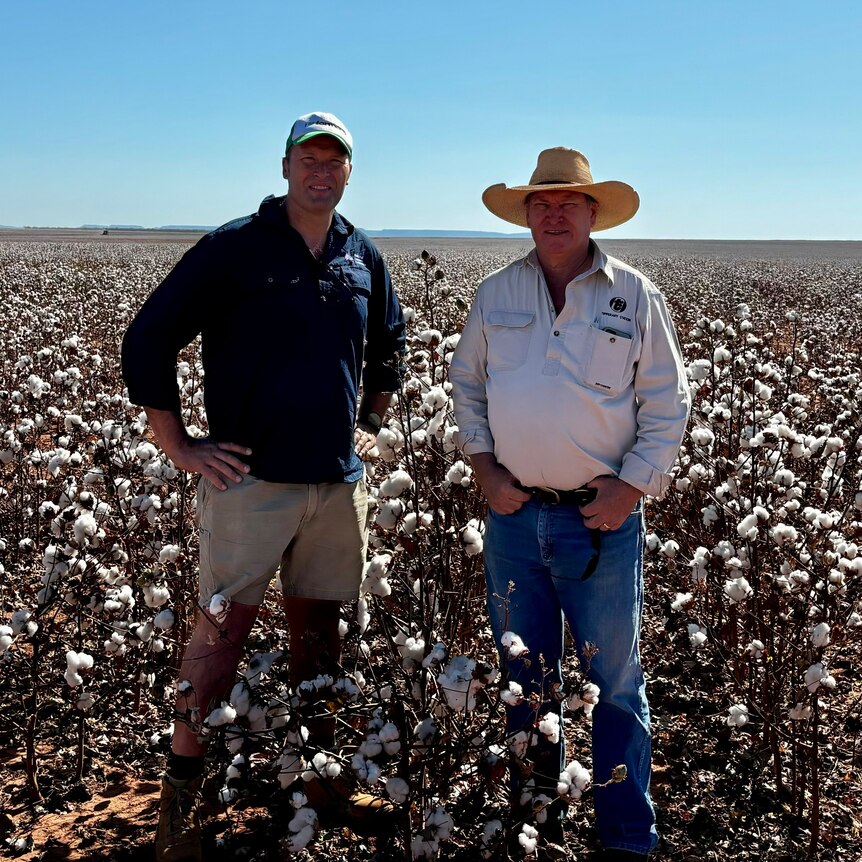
(511,318)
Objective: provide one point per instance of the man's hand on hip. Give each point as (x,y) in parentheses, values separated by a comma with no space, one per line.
(498,484)
(211,459)
(614,502)
(363,443)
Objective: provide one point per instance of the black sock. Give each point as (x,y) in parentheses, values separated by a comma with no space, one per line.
(184,768)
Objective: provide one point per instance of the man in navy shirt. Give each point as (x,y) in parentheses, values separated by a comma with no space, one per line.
(295,308)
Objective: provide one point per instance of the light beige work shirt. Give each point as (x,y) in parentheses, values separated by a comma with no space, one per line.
(599,389)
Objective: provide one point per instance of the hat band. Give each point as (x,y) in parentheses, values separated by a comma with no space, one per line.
(560,183)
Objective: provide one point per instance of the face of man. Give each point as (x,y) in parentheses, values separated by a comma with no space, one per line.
(317,172)
(560,221)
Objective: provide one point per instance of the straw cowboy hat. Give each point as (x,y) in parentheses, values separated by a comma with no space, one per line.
(567,170)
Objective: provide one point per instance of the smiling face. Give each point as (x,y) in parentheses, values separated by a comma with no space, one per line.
(317,172)
(560,221)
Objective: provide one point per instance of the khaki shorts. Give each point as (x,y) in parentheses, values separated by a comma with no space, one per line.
(316,535)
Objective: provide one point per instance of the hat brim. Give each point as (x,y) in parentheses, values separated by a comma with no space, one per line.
(617,201)
(309,135)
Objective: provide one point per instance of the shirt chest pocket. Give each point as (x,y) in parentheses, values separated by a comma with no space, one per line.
(508,334)
(611,364)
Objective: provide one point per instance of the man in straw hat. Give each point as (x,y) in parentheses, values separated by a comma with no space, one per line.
(294,306)
(571,400)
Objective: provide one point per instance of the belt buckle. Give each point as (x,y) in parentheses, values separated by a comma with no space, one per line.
(548,495)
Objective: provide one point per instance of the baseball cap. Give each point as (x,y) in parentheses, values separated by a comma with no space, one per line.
(319,123)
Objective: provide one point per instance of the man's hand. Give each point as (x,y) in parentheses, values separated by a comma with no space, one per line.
(363,443)
(211,459)
(498,484)
(614,502)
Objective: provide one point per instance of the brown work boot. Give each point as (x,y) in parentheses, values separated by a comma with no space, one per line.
(179,835)
(362,812)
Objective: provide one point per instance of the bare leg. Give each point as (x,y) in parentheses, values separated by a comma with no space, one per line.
(209,663)
(315,647)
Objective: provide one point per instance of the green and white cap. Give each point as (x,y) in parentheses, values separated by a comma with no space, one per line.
(318,123)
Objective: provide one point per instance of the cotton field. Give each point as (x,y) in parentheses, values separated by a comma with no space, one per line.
(754,579)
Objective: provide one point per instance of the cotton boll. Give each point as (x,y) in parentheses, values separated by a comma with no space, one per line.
(815,675)
(784,534)
(528,838)
(738,715)
(513,695)
(156,595)
(164,620)
(490,838)
(389,442)
(702,437)
(169,553)
(439,822)
(85,528)
(586,700)
(472,538)
(670,549)
(513,645)
(412,652)
(710,515)
(389,513)
(682,599)
(738,590)
(219,607)
(300,840)
(225,714)
(820,635)
(574,781)
(425,731)
(549,727)
(459,474)
(398,790)
(6,638)
(747,527)
(260,665)
(76,662)
(143,632)
(518,743)
(371,747)
(363,614)
(436,656)
(240,698)
(696,635)
(146,452)
(756,649)
(396,484)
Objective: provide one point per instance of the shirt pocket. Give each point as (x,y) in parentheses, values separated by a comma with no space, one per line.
(610,367)
(508,335)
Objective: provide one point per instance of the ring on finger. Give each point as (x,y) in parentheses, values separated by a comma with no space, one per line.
(605,525)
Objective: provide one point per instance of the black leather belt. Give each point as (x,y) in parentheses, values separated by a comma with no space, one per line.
(578,497)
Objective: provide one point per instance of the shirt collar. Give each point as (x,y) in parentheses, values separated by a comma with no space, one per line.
(600,263)
(272,211)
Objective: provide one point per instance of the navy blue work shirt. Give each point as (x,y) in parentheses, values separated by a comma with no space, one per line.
(285,340)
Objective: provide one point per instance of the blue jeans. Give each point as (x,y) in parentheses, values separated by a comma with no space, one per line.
(543,551)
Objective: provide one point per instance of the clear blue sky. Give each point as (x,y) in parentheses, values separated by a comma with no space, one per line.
(732,119)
